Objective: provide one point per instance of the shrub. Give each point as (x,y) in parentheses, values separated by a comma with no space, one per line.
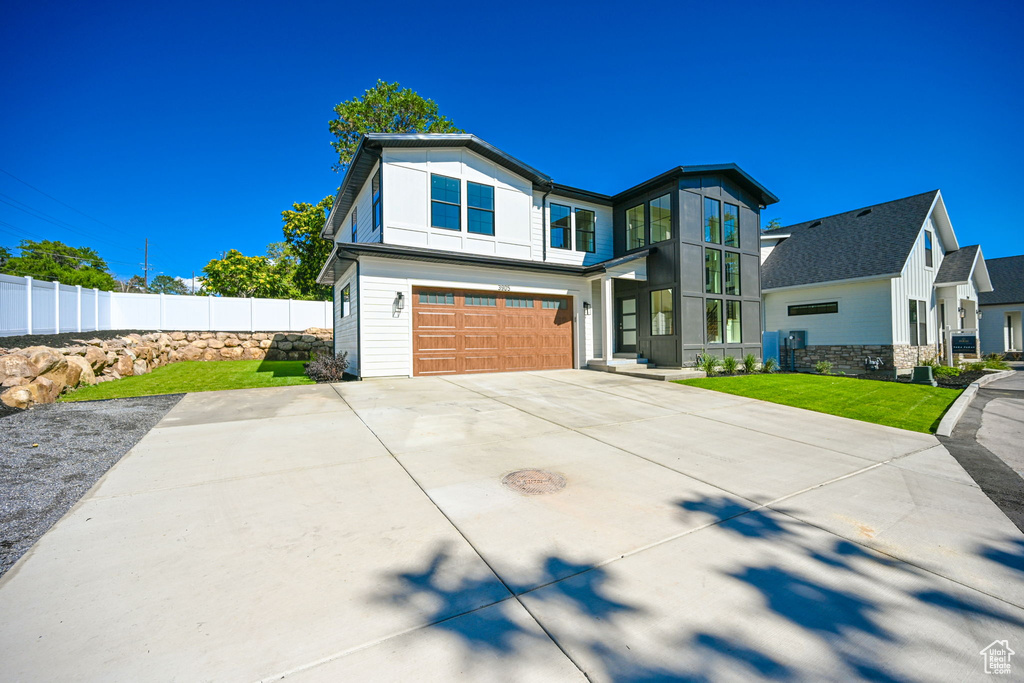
(709,364)
(973,367)
(932,363)
(749,363)
(945,371)
(327,368)
(770,365)
(729,365)
(995,361)
(823,367)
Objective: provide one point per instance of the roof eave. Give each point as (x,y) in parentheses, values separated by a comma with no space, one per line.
(830,283)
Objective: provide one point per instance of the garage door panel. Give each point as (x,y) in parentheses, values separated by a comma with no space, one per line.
(455,338)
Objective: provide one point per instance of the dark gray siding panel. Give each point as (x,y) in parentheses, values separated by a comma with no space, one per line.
(690,219)
(693,320)
(750,231)
(751,322)
(692,258)
(748,275)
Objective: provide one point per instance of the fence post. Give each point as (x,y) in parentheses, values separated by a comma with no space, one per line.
(96,308)
(163,303)
(289,315)
(78,291)
(209,316)
(252,314)
(56,307)
(28,301)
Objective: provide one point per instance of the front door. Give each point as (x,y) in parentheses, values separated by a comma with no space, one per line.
(626,338)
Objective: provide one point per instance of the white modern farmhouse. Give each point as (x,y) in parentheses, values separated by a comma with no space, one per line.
(1003,308)
(453,257)
(888,281)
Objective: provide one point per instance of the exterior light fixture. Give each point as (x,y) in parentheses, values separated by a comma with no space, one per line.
(979,314)
(399,301)
(962,311)
(586,308)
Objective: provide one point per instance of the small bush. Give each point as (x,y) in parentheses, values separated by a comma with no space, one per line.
(709,364)
(770,365)
(995,361)
(823,367)
(945,371)
(932,363)
(749,363)
(729,365)
(327,368)
(973,367)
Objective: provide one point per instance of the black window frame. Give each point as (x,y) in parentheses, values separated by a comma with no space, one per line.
(355,224)
(592,240)
(730,303)
(918,329)
(446,202)
(642,242)
(470,208)
(707,234)
(808,309)
(929,246)
(734,256)
(346,300)
(671,311)
(650,210)
(565,230)
(736,225)
(707,271)
(720,322)
(375,195)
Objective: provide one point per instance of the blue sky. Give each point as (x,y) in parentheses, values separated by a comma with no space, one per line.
(196,124)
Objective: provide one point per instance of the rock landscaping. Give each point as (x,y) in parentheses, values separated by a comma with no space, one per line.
(40,374)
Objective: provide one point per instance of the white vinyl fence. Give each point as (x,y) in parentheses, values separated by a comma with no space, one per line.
(29,306)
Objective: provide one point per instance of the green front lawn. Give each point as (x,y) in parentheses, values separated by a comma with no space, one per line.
(907,406)
(180,378)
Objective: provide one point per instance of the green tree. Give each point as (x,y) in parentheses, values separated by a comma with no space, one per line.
(133,285)
(302,226)
(773,224)
(240,275)
(165,284)
(385,108)
(5,254)
(52,260)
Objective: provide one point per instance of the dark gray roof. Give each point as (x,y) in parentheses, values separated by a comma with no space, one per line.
(870,241)
(957,266)
(1007,276)
(732,171)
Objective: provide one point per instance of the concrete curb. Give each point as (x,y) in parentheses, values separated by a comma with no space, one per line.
(956,411)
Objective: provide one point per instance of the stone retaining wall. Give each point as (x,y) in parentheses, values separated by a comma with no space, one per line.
(850,358)
(39,374)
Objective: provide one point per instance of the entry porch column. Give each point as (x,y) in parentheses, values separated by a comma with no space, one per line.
(607,318)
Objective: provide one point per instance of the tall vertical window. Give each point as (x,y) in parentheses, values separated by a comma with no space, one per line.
(928,256)
(918,323)
(480,208)
(713,271)
(636,227)
(345,301)
(561,229)
(445,202)
(713,314)
(662,319)
(731,224)
(661,218)
(355,225)
(585,221)
(733,332)
(376,201)
(732,273)
(712,220)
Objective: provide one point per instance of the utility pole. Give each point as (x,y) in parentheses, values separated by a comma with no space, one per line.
(145,267)
(193,282)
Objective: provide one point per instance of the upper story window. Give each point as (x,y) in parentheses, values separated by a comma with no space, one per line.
(376,201)
(585,222)
(561,231)
(713,271)
(355,225)
(636,227)
(445,202)
(731,224)
(712,220)
(661,218)
(732,273)
(480,211)
(928,255)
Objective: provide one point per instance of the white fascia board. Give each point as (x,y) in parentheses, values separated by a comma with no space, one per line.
(830,283)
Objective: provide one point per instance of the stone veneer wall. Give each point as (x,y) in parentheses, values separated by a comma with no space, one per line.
(39,374)
(850,358)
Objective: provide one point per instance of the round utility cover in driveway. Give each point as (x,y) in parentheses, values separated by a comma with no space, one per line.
(533,482)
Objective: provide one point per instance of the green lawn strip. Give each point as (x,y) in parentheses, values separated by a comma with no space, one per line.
(907,406)
(190,376)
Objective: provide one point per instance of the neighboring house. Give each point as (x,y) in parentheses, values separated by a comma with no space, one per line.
(1003,307)
(887,281)
(454,257)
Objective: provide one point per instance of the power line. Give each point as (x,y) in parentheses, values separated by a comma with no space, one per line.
(41,215)
(78,258)
(57,200)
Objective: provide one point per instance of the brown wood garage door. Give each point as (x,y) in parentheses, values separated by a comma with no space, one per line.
(462,331)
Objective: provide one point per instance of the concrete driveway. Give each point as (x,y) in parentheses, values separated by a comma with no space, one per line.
(362,532)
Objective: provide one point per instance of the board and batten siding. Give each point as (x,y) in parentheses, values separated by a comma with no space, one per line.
(864,317)
(917,283)
(406,179)
(604,244)
(387,333)
(346,329)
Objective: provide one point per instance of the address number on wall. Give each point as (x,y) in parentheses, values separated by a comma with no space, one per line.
(504,288)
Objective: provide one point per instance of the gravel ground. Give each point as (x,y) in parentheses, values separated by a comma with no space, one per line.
(78,443)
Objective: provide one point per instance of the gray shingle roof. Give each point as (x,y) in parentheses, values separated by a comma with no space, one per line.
(873,240)
(957,265)
(1007,276)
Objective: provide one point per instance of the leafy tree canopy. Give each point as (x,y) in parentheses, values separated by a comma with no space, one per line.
(165,284)
(773,224)
(302,226)
(245,276)
(53,260)
(133,285)
(385,108)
